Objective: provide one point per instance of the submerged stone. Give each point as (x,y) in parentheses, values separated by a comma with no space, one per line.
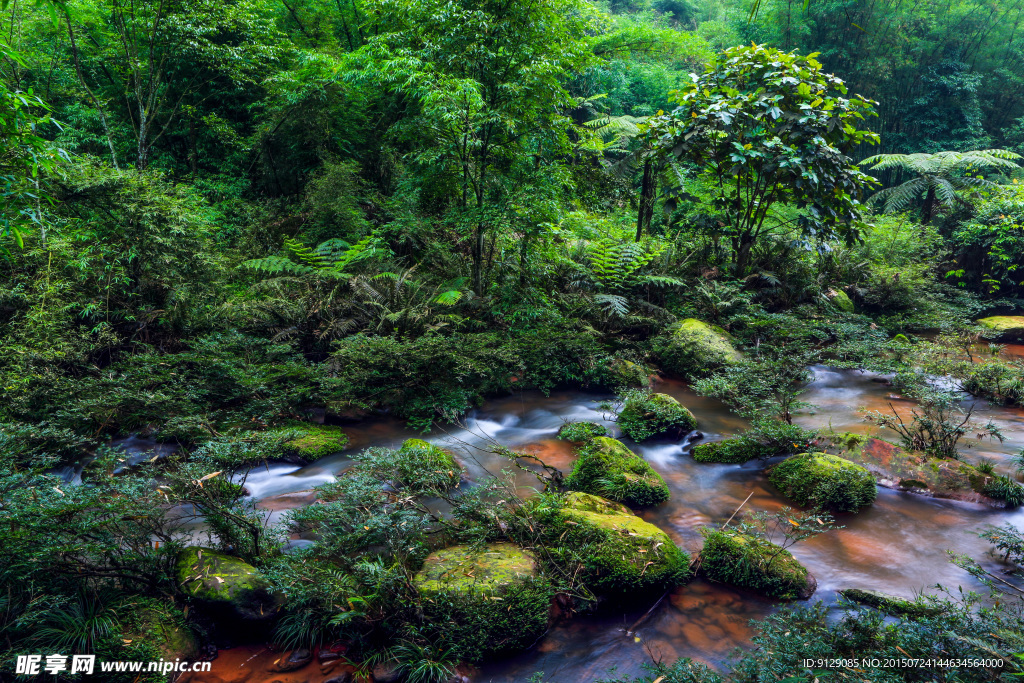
(754,563)
(484,601)
(227,584)
(1006,327)
(607,468)
(890,604)
(645,415)
(625,553)
(693,347)
(824,480)
(897,468)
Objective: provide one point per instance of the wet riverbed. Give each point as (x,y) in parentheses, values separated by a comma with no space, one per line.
(898,545)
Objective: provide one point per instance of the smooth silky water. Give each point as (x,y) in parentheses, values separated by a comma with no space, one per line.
(898,545)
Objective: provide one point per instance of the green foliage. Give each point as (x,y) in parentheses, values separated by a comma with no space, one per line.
(766,438)
(1005,489)
(436,377)
(768,127)
(825,481)
(938,422)
(768,385)
(645,414)
(988,247)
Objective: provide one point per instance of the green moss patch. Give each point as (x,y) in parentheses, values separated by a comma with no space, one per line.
(824,480)
(226,584)
(605,467)
(695,348)
(578,432)
(626,373)
(306,443)
(753,563)
(622,553)
(1006,327)
(484,601)
(645,415)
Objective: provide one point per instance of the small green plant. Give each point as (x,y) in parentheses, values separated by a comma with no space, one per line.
(80,624)
(424,663)
(1005,489)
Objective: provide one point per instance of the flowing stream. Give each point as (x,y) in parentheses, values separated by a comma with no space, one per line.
(898,545)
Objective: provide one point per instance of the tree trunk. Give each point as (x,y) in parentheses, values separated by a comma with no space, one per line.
(743,254)
(929,206)
(646,208)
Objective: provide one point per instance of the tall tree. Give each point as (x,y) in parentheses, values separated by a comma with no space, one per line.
(488,80)
(767,127)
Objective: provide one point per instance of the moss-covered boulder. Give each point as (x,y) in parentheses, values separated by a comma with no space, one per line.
(824,480)
(580,432)
(645,415)
(625,373)
(754,563)
(891,604)
(623,554)
(737,450)
(484,601)
(422,465)
(303,442)
(692,347)
(841,300)
(605,467)
(1005,327)
(915,472)
(226,584)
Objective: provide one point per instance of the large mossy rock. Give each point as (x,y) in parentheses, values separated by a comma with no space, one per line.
(226,584)
(824,480)
(306,443)
(897,468)
(754,563)
(694,348)
(625,373)
(486,601)
(624,554)
(841,300)
(645,415)
(427,465)
(1006,327)
(605,467)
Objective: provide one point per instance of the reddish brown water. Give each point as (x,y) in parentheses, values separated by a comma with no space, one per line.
(897,545)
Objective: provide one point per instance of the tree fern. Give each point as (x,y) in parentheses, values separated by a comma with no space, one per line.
(940,177)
